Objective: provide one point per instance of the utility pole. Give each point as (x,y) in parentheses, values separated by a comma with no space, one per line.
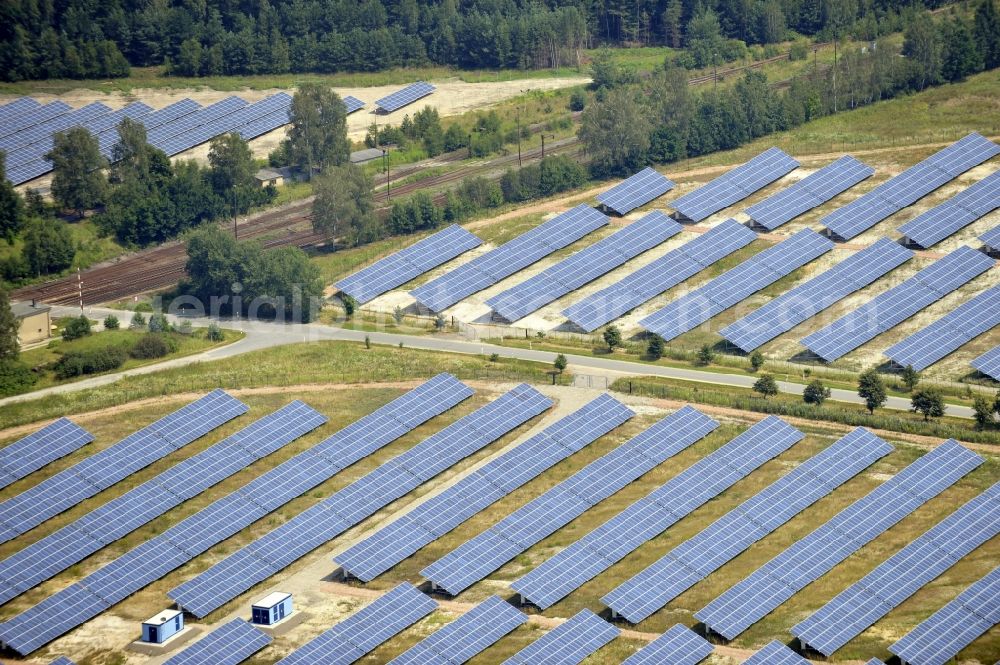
(79,286)
(518,115)
(385,159)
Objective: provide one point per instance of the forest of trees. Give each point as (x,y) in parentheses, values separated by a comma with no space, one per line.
(86,39)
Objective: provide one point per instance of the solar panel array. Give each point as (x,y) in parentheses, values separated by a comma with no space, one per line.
(353,104)
(735,185)
(992,238)
(677,646)
(230,644)
(231,115)
(812,191)
(399,268)
(912,184)
(103,469)
(569,643)
(466,636)
(170,137)
(945,633)
(404,97)
(903,574)
(33,118)
(173,112)
(497,478)
(696,558)
(989,363)
(892,307)
(936,224)
(27,455)
(359,634)
(13,143)
(733,286)
(660,275)
(775,653)
(187,539)
(359,500)
(933,342)
(140,505)
(497,264)
(16,108)
(655,513)
(584,266)
(636,191)
(851,529)
(544,515)
(815,295)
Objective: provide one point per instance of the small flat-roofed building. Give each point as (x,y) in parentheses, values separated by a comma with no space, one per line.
(160,628)
(33,321)
(271,609)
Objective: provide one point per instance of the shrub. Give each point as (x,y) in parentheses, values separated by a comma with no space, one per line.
(15,377)
(158,324)
(766,386)
(184,328)
(78,363)
(138,321)
(756,360)
(76,328)
(560,363)
(214,333)
(612,337)
(815,393)
(494,357)
(111,322)
(705,355)
(577,100)
(927,402)
(655,348)
(349,303)
(150,345)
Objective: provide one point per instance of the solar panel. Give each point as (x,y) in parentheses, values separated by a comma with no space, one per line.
(759,271)
(678,646)
(113,520)
(989,363)
(812,191)
(357,635)
(543,516)
(992,238)
(935,341)
(660,275)
(655,513)
(569,643)
(936,224)
(584,266)
(437,516)
(636,191)
(852,528)
(498,264)
(62,660)
(353,104)
(901,575)
(187,539)
(899,303)
(404,97)
(775,653)
(17,108)
(696,558)
(271,111)
(230,644)
(357,501)
(170,137)
(33,142)
(399,268)
(912,184)
(107,467)
(27,455)
(733,186)
(941,637)
(812,297)
(32,118)
(466,636)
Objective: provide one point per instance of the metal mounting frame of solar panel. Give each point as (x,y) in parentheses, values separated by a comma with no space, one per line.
(466,636)
(569,643)
(225,517)
(659,276)
(812,191)
(852,528)
(103,469)
(169,134)
(357,501)
(230,644)
(696,558)
(29,454)
(635,191)
(731,287)
(15,109)
(43,113)
(900,576)
(407,264)
(498,264)
(991,238)
(775,653)
(733,186)
(517,532)
(115,519)
(940,637)
(815,295)
(678,646)
(936,224)
(404,97)
(935,341)
(912,184)
(35,142)
(890,308)
(359,634)
(497,478)
(352,104)
(584,266)
(988,363)
(653,514)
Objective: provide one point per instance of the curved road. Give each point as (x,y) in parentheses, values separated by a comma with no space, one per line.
(262,335)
